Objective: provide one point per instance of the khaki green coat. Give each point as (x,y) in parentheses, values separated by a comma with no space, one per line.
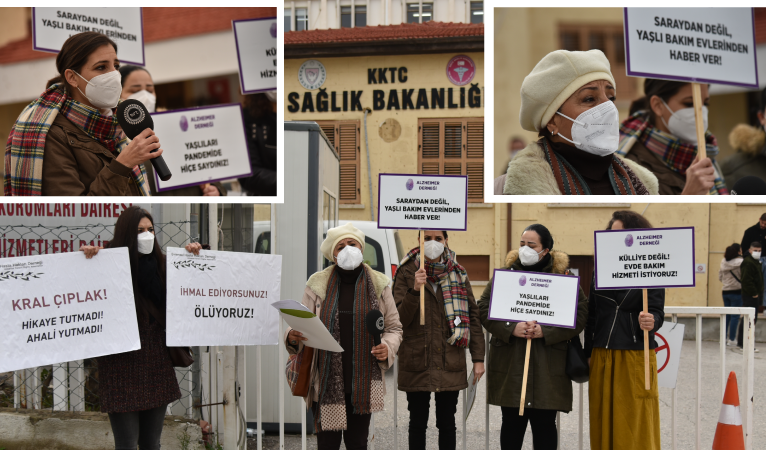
(548,386)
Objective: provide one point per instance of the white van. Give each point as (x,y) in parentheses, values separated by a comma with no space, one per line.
(383,249)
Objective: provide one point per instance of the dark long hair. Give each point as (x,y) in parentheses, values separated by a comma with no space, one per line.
(731,252)
(75,52)
(663,89)
(126,235)
(630,220)
(545,236)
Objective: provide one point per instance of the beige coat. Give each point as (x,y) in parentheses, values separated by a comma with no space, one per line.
(314,295)
(530,174)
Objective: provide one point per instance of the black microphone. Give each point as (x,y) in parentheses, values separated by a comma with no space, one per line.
(134,118)
(749,185)
(375,324)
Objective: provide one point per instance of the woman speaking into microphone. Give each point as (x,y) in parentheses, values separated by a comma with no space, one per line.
(67,142)
(346,388)
(136,387)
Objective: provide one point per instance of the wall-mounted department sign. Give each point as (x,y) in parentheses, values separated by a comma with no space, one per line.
(460,70)
(312,74)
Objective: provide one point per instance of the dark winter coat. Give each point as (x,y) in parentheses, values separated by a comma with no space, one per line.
(142,379)
(426,361)
(548,386)
(75,164)
(613,318)
(752,234)
(750,159)
(752,276)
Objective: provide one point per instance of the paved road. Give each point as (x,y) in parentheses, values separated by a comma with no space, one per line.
(685,436)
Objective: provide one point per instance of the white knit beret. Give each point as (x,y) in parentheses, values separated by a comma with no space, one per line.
(554,79)
(335,235)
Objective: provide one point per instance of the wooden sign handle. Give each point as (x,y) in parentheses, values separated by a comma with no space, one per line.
(422,288)
(698,119)
(524,379)
(646,344)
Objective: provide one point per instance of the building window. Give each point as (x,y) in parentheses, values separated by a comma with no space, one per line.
(477,12)
(360,16)
(453,147)
(345,17)
(610,40)
(344,136)
(301,19)
(288,20)
(413,12)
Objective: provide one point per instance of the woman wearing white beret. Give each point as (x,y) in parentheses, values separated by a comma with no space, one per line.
(346,388)
(568,99)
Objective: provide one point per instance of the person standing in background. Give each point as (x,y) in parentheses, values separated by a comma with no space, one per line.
(752,284)
(755,233)
(137,84)
(750,144)
(731,277)
(661,136)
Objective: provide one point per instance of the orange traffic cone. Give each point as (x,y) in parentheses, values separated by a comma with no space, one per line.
(728,433)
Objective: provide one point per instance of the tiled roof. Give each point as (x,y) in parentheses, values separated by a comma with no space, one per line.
(406,31)
(159,24)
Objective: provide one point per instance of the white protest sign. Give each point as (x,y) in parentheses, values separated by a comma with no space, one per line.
(670,339)
(202,145)
(650,258)
(256,41)
(548,298)
(422,202)
(53,26)
(701,45)
(44,228)
(222,298)
(58,308)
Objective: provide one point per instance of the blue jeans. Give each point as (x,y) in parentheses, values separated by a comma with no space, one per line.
(733,300)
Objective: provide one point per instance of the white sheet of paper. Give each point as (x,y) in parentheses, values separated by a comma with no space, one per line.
(313,329)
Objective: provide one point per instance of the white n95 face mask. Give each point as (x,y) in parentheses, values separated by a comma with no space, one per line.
(433,249)
(349,258)
(529,256)
(103,91)
(597,130)
(147,98)
(145,243)
(757,255)
(682,124)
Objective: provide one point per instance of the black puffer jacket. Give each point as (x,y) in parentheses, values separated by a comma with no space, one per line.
(613,318)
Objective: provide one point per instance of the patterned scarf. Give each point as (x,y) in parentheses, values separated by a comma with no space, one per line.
(674,153)
(367,389)
(26,142)
(451,276)
(570,182)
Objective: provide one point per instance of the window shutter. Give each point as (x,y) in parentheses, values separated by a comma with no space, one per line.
(344,136)
(454,147)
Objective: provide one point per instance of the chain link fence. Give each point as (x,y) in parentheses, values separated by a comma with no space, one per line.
(73,386)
